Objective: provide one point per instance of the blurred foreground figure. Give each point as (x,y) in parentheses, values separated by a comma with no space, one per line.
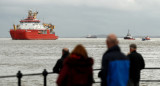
(77,69)
(136,65)
(115,65)
(59,64)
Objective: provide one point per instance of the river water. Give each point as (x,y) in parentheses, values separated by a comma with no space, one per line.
(33,56)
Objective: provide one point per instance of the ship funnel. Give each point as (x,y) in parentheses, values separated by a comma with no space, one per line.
(14,26)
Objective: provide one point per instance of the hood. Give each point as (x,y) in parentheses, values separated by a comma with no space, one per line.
(79,63)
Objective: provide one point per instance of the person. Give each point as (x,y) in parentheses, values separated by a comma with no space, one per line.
(58,66)
(115,65)
(77,69)
(136,65)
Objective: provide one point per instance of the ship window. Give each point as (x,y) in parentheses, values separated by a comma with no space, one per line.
(42,32)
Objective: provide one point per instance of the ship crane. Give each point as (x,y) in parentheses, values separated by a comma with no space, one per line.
(49,26)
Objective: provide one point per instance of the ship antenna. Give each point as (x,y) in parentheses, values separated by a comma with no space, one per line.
(43,20)
(128,33)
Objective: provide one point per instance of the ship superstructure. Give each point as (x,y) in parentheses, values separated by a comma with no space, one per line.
(31,29)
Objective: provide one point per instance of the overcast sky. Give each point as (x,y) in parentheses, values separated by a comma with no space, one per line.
(77,18)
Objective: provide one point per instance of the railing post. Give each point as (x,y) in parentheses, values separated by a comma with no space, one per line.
(45,73)
(19,76)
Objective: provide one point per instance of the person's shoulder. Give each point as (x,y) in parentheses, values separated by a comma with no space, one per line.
(133,53)
(90,60)
(59,60)
(117,55)
(106,55)
(109,56)
(138,53)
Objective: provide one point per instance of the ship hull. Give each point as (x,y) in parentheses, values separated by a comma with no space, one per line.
(23,34)
(128,38)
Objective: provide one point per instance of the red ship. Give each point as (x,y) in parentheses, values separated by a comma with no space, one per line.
(146,38)
(31,29)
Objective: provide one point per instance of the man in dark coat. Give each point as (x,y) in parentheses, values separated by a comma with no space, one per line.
(59,64)
(136,65)
(115,65)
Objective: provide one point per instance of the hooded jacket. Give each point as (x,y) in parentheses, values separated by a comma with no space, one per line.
(76,71)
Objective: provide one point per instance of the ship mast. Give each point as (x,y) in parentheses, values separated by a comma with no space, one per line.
(128,34)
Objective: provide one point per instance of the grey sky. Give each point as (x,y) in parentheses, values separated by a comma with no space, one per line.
(76,18)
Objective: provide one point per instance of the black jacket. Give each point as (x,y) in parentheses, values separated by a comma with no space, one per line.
(136,65)
(58,66)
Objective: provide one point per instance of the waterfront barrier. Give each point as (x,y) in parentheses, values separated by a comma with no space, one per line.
(19,75)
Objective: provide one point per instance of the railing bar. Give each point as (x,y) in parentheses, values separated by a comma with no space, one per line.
(96,82)
(150,80)
(152,68)
(8,76)
(53,73)
(141,81)
(32,74)
(96,69)
(145,68)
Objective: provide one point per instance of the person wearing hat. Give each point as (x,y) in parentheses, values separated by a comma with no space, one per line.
(136,65)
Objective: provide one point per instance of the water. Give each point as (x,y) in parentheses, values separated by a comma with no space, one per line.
(33,56)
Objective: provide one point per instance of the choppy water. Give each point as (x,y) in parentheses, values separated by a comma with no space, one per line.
(32,56)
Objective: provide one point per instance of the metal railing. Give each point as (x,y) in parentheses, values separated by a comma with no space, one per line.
(19,75)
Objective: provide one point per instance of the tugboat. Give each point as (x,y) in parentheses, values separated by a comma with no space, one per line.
(31,29)
(146,38)
(129,37)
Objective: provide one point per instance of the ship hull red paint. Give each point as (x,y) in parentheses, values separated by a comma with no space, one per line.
(23,34)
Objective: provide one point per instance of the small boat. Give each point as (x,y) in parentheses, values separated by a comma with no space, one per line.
(146,38)
(129,37)
(91,36)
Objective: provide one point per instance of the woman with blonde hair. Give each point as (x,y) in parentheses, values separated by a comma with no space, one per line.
(77,69)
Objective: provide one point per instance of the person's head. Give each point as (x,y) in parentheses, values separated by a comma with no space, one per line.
(111,40)
(65,51)
(80,50)
(132,47)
